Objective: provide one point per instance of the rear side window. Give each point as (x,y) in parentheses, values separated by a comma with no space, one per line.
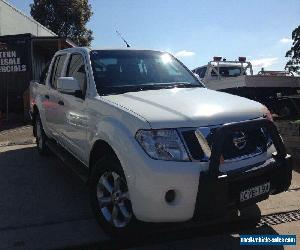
(76,69)
(44,74)
(57,69)
(228,71)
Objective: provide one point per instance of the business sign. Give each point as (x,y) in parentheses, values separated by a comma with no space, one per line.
(12,57)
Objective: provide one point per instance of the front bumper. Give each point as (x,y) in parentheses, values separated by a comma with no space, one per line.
(218,191)
(216,196)
(202,189)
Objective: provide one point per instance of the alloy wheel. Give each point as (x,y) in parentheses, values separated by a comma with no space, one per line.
(113,199)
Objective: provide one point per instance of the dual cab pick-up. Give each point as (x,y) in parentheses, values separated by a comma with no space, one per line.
(158,145)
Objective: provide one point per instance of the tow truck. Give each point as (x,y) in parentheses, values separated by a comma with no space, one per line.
(278,90)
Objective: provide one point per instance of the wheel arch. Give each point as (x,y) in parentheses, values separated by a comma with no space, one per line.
(35,111)
(100,148)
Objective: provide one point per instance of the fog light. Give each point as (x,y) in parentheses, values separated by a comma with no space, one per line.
(170,196)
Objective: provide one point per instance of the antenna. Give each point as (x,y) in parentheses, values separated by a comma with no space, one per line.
(127,45)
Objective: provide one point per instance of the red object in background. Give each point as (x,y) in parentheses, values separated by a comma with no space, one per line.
(242,59)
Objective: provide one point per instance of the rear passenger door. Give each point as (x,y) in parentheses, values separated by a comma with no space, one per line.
(74,130)
(52,96)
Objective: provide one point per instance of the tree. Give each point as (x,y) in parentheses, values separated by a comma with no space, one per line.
(293,65)
(67,18)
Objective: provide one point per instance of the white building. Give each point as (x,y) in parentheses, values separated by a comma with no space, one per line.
(13,21)
(32,45)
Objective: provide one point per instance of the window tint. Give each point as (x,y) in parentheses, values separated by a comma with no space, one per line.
(76,69)
(56,70)
(137,68)
(201,72)
(228,71)
(53,70)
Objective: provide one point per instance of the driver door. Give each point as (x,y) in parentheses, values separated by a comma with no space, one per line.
(74,129)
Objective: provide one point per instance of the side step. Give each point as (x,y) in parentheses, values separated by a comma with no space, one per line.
(69,160)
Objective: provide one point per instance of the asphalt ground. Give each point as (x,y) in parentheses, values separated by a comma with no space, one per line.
(44,205)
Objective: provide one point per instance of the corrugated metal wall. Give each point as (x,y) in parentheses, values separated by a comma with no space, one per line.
(42,53)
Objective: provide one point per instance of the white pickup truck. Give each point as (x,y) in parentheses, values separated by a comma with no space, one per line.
(156,145)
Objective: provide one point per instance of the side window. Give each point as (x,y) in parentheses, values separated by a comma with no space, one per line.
(57,69)
(53,70)
(76,69)
(44,74)
(201,72)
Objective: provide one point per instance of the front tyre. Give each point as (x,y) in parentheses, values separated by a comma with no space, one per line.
(250,216)
(110,198)
(40,136)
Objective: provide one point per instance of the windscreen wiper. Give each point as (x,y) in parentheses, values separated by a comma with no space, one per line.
(120,89)
(185,85)
(170,85)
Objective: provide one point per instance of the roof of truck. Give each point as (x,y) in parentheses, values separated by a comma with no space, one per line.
(107,49)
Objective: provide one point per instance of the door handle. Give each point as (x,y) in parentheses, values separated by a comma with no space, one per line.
(61,103)
(47,96)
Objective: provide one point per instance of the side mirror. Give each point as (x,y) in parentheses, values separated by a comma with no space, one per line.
(68,85)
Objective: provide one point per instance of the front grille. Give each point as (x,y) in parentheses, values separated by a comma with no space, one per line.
(257,141)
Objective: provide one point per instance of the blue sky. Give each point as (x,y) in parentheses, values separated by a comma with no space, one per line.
(197,30)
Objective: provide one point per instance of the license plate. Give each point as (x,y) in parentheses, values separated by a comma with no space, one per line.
(254,192)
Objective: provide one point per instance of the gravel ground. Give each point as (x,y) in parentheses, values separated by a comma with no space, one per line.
(17,136)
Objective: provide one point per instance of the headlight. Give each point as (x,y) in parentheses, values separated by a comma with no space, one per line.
(164,144)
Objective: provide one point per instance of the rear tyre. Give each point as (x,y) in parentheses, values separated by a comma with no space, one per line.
(110,198)
(41,137)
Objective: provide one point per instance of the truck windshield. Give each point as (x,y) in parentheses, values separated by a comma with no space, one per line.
(228,72)
(119,71)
